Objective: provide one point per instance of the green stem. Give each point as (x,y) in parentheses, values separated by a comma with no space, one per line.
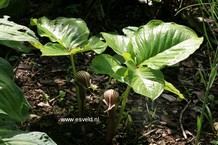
(202,116)
(76,86)
(213,74)
(123,105)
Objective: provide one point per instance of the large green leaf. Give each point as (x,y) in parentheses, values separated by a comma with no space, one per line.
(174,54)
(11,32)
(96,45)
(120,44)
(10,137)
(159,44)
(54,49)
(69,36)
(145,81)
(69,32)
(106,64)
(12,100)
(15,32)
(146,50)
(156,44)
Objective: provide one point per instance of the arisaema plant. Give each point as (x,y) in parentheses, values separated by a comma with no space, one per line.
(142,52)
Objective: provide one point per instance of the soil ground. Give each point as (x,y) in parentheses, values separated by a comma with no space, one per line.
(48,85)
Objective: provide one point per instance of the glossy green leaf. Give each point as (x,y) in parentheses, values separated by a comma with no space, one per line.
(145,81)
(146,50)
(174,54)
(54,49)
(106,64)
(120,44)
(169,87)
(11,137)
(130,31)
(96,45)
(12,100)
(69,35)
(13,34)
(69,32)
(159,44)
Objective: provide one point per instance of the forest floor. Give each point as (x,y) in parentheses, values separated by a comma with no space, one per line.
(48,85)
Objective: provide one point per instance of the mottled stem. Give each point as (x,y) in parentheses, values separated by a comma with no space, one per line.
(111,126)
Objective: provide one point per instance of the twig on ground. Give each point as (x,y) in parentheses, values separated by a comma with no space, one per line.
(180,120)
(147,133)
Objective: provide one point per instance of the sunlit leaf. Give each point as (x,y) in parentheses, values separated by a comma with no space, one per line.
(71,33)
(169,87)
(96,45)
(130,31)
(158,44)
(12,34)
(11,137)
(145,81)
(54,49)
(145,51)
(120,44)
(106,64)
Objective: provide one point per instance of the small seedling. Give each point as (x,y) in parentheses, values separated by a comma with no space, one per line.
(61,95)
(151,113)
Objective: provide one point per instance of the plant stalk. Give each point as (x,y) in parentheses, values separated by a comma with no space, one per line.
(123,105)
(111,126)
(209,84)
(76,86)
(202,116)
(82,92)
